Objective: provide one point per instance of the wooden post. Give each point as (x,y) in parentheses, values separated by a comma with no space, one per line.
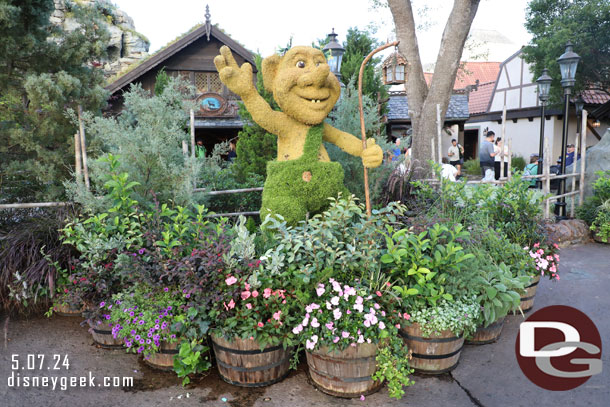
(573,198)
(583,156)
(439,129)
(508,144)
(433,152)
(192,133)
(83,145)
(547,178)
(77,158)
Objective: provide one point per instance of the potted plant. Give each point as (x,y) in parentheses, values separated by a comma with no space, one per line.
(425,267)
(545,259)
(351,342)
(144,318)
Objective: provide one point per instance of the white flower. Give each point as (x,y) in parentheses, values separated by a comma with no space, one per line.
(337,313)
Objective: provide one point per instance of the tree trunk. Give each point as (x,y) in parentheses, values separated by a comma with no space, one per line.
(423,101)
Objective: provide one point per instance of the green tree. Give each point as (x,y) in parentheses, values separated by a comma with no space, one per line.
(147,139)
(586,23)
(358,45)
(255,146)
(44,71)
(346,117)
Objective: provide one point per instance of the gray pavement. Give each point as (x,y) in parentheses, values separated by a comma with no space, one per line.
(487,375)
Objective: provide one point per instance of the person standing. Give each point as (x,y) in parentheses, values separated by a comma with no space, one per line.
(486,153)
(448,171)
(396,150)
(455,154)
(532,169)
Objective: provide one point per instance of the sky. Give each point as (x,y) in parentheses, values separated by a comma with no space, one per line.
(264,25)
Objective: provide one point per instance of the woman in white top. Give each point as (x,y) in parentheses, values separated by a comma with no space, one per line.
(500,159)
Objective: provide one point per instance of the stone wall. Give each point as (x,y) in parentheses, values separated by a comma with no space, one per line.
(126,45)
(569,232)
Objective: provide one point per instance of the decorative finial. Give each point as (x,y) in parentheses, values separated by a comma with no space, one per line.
(208,22)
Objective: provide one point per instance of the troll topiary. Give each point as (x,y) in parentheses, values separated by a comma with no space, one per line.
(302,178)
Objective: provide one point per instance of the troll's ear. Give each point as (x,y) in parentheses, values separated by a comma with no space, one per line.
(269,67)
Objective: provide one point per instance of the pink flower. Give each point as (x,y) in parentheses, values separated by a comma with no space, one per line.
(231,304)
(249,306)
(334,301)
(260,324)
(329,325)
(367,323)
(254,294)
(397,326)
(277,315)
(337,313)
(381,325)
(378,293)
(358,307)
(376,306)
(336,339)
(247,286)
(315,323)
(320,290)
(348,312)
(311,344)
(537,245)
(345,334)
(362,398)
(360,339)
(406,316)
(245,295)
(230,280)
(267,293)
(297,329)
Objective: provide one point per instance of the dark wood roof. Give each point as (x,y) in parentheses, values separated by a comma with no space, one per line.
(176,47)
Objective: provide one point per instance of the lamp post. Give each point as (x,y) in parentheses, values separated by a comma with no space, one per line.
(568,62)
(544,88)
(336,54)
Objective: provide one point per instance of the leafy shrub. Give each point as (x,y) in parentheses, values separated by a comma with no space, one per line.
(517,163)
(472,167)
(459,316)
(29,252)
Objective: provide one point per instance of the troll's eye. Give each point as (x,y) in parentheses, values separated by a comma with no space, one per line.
(318,63)
(301,64)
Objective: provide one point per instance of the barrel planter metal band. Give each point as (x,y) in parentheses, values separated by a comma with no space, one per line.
(527,299)
(164,358)
(345,373)
(241,362)
(68,310)
(488,334)
(432,355)
(102,335)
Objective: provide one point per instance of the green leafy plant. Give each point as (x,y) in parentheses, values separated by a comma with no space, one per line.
(459,316)
(601,224)
(193,357)
(421,263)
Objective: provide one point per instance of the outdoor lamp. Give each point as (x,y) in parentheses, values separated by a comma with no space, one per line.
(596,123)
(544,89)
(544,86)
(336,54)
(568,62)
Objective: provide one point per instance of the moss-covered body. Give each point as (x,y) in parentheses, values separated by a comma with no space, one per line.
(297,187)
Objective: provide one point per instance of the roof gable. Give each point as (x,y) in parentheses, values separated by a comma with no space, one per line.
(171,50)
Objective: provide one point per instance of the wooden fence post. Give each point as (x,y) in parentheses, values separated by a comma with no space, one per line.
(77,158)
(583,157)
(439,129)
(574,162)
(192,133)
(547,178)
(83,145)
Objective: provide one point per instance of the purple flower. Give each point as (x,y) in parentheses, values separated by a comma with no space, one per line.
(172,336)
(150,335)
(140,349)
(166,289)
(131,314)
(133,332)
(142,341)
(137,338)
(134,254)
(141,322)
(188,296)
(148,341)
(164,325)
(128,343)
(102,304)
(156,321)
(157,326)
(107,316)
(169,308)
(117,302)
(141,251)
(156,337)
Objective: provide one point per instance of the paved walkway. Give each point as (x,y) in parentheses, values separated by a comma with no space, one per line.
(486,376)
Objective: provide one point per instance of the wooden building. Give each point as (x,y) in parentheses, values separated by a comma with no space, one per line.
(192,57)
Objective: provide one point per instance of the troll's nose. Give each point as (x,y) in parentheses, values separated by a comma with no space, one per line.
(316,77)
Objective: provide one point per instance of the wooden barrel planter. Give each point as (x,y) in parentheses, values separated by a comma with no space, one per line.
(435,354)
(68,310)
(102,335)
(488,334)
(164,358)
(344,373)
(527,299)
(241,362)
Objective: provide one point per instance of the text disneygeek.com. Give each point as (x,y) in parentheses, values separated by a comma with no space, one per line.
(21,366)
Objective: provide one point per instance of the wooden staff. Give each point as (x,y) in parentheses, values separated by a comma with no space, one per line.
(362,129)
(83,145)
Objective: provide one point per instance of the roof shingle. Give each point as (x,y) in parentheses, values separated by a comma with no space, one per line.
(398,108)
